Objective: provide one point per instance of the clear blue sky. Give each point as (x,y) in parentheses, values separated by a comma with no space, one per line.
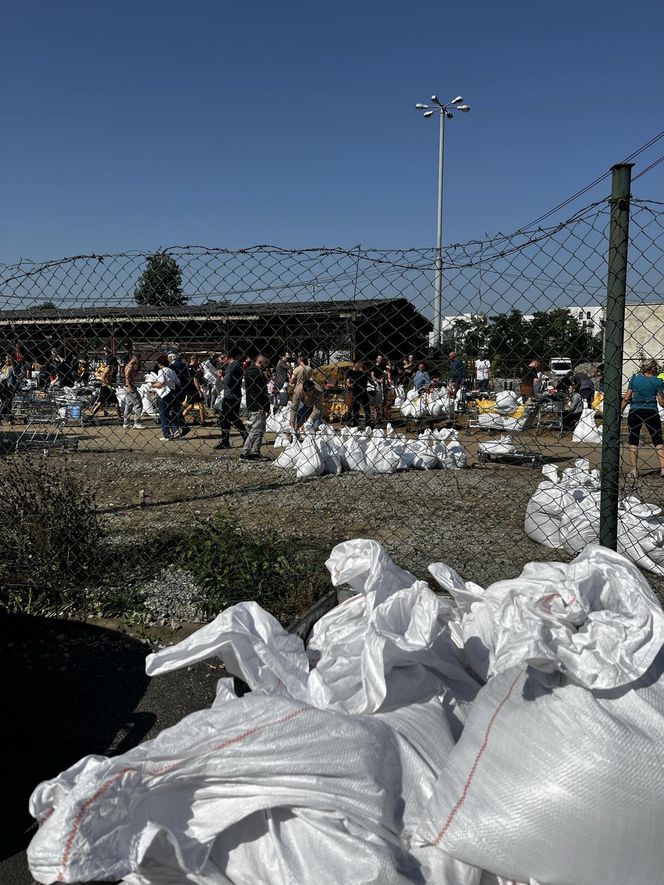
(130,125)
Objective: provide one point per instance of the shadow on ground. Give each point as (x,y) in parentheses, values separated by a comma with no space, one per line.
(68,690)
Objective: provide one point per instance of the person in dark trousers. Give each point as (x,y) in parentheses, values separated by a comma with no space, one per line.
(230,407)
(356,385)
(645,393)
(258,406)
(179,366)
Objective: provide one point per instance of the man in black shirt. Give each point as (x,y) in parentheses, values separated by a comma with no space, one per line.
(258,406)
(356,384)
(380,377)
(230,406)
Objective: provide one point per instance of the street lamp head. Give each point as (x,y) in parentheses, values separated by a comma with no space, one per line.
(456,100)
(429,114)
(421,107)
(435,99)
(463,107)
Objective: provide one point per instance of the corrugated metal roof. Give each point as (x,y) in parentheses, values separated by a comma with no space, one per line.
(202,311)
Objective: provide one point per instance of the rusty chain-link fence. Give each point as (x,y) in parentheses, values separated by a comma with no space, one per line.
(185,428)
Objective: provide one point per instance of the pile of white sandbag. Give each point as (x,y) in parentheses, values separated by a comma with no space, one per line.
(371,452)
(563,513)
(514,733)
(427,405)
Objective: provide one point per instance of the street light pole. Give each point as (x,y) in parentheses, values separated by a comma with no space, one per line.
(438,291)
(444,111)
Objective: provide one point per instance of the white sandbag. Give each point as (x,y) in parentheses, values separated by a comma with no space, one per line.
(381,457)
(278,423)
(490,419)
(412,394)
(354,453)
(330,452)
(641,534)
(445,458)
(513,423)
(309,461)
(556,785)
(183,806)
(437,410)
(456,450)
(251,644)
(387,646)
(408,409)
(398,402)
(282,440)
(558,779)
(586,431)
(502,446)
(595,619)
(506,401)
(289,457)
(579,523)
(419,455)
(545,508)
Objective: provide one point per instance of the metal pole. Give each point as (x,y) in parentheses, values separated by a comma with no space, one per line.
(438,298)
(613,352)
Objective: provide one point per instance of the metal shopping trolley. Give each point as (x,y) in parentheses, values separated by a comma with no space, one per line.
(44,420)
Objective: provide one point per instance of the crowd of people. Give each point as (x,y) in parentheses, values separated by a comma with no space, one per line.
(239,394)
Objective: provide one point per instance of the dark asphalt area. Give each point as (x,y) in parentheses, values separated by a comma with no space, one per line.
(70,689)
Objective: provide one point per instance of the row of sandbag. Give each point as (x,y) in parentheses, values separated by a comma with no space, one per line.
(563,513)
(370,452)
(508,733)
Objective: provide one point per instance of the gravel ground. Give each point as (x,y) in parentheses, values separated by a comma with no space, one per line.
(472,518)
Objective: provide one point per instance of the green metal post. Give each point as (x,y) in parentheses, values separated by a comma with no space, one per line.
(614,331)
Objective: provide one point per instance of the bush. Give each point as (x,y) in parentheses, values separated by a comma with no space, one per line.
(49,537)
(232,564)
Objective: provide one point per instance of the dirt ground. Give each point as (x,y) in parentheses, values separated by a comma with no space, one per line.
(471,518)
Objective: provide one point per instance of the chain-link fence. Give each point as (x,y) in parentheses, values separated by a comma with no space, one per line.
(190,427)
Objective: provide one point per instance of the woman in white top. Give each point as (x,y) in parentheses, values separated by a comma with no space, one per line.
(166,385)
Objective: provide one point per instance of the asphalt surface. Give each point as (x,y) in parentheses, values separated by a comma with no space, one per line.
(71,689)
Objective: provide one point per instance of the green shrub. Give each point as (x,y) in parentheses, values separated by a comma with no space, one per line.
(232,564)
(49,537)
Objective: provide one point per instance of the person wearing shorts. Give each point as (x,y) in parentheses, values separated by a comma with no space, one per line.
(645,393)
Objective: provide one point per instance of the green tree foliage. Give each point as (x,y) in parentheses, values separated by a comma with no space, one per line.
(46,305)
(161,282)
(511,340)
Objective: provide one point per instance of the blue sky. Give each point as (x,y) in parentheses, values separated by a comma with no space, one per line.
(130,125)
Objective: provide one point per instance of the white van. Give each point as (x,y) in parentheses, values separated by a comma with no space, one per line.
(559,366)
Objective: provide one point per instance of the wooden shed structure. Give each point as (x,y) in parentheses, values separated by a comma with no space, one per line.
(320,329)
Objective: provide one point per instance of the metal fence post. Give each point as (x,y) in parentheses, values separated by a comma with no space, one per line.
(613,352)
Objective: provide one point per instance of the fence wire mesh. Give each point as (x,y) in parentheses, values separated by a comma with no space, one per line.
(186,428)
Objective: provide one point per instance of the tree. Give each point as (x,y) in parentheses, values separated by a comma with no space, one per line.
(557,333)
(161,282)
(470,336)
(46,305)
(509,341)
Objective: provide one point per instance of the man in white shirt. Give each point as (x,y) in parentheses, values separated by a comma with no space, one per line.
(483,373)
